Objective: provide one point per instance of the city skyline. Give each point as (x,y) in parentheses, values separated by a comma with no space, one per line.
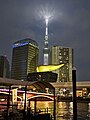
(70,27)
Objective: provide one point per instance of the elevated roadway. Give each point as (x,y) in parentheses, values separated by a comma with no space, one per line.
(82,84)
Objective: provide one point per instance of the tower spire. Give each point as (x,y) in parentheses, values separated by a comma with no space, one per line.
(46,49)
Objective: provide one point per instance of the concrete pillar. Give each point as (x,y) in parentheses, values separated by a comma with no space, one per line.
(8,102)
(74,94)
(35,105)
(54,106)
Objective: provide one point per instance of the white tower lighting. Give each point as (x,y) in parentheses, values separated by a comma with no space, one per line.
(46,49)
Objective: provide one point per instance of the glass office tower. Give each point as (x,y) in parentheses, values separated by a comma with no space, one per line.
(4,67)
(62,55)
(24,58)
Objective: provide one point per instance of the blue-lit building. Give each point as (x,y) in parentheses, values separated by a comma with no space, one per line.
(24,58)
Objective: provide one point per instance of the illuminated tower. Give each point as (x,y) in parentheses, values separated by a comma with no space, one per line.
(46,49)
(24,58)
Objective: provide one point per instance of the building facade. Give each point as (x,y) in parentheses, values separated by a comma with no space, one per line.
(62,55)
(24,58)
(4,67)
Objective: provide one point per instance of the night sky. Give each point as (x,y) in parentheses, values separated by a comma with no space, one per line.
(69,26)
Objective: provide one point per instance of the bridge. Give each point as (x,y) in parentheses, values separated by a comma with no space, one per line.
(82,84)
(12,87)
(15,87)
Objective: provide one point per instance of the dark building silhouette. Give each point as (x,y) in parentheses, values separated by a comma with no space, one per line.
(24,58)
(42,76)
(4,67)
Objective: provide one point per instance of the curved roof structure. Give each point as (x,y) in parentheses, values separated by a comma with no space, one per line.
(35,84)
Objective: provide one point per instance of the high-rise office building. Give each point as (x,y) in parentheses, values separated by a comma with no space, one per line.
(24,58)
(59,55)
(4,67)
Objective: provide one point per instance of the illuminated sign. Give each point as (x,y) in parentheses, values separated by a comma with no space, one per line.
(20,44)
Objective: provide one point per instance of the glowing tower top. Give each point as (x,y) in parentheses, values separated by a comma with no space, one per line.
(46,49)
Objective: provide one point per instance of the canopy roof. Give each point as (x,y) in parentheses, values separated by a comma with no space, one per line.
(35,84)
